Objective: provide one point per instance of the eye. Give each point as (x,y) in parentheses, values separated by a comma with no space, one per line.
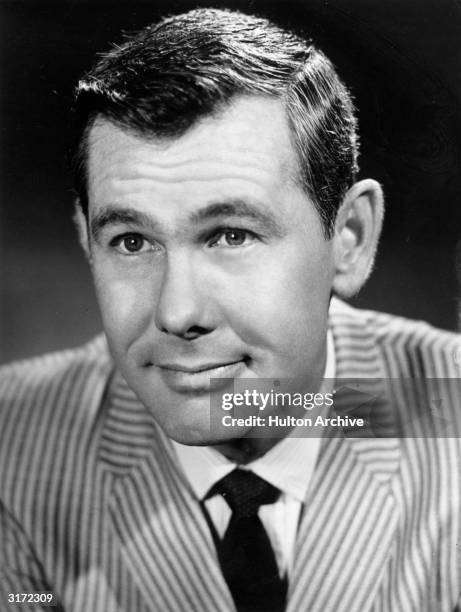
(131,244)
(232,237)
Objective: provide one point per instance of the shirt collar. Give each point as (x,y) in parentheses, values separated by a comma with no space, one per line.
(288,465)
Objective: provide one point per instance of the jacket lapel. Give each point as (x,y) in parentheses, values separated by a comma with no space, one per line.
(160,531)
(348,527)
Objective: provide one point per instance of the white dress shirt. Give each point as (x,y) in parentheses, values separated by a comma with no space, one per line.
(289,466)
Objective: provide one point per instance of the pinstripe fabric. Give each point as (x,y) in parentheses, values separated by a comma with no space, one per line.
(94,507)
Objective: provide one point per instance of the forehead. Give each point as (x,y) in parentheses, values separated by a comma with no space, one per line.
(246,146)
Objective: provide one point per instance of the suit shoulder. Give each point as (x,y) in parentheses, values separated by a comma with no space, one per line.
(409,347)
(54,382)
(51,368)
(51,408)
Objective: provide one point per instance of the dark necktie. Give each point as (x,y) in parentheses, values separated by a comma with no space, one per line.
(245,553)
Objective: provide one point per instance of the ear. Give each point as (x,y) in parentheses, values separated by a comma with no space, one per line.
(357,229)
(81,224)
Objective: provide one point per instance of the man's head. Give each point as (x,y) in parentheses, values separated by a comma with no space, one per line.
(211,258)
(169,76)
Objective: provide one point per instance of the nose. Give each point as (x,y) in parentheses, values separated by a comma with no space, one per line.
(183,308)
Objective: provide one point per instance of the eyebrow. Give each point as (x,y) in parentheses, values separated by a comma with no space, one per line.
(239,208)
(111,215)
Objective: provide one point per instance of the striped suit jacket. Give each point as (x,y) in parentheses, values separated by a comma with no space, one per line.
(94,507)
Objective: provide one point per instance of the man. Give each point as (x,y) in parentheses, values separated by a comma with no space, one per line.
(219,209)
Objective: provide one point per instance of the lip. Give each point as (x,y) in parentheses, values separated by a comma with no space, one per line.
(197,368)
(186,379)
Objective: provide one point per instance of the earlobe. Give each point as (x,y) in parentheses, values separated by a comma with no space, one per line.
(357,230)
(81,225)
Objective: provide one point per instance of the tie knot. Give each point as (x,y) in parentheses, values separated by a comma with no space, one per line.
(245,492)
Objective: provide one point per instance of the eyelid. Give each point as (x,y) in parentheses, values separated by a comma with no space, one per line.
(116,243)
(219,232)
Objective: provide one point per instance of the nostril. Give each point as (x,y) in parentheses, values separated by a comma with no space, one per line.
(195,331)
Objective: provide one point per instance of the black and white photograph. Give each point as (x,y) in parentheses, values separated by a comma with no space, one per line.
(230,306)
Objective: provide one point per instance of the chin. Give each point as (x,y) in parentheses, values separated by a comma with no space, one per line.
(198,437)
(200,433)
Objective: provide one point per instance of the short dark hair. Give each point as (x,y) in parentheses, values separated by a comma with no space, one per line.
(169,75)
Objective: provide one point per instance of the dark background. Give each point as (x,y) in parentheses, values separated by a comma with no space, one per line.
(402,59)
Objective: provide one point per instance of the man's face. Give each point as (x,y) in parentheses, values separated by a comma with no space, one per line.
(209,261)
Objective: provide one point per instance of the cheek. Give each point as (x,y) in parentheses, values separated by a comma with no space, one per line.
(124,305)
(284,299)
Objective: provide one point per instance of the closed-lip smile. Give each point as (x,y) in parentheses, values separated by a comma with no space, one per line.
(185,378)
(176,367)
